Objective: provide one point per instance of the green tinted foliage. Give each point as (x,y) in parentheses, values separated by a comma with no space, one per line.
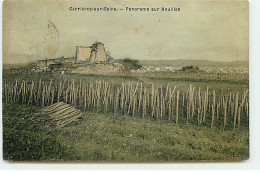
(130,64)
(23,140)
(105,137)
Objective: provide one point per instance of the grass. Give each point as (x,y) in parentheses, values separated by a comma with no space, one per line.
(23,140)
(28,77)
(219,86)
(105,137)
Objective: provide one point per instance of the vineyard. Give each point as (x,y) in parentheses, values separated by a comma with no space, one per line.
(191,105)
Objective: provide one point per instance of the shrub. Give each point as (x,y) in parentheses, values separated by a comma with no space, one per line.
(130,64)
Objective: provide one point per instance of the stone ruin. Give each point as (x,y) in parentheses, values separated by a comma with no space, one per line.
(95,54)
(60,60)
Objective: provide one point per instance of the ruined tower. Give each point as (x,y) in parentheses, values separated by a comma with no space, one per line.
(100,52)
(94,53)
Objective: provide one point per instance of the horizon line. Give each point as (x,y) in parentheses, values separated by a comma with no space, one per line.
(152,60)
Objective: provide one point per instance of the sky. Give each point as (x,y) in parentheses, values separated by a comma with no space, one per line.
(207,30)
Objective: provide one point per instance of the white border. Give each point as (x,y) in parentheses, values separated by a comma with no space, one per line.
(252,163)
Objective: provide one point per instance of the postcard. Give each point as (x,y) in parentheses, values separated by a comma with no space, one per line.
(125,81)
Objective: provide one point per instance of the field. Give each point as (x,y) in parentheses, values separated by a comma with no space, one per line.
(128,118)
(105,137)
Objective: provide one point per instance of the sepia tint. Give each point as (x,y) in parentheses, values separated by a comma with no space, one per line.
(125,81)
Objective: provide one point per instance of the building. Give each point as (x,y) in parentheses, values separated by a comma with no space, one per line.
(94,53)
(45,62)
(60,60)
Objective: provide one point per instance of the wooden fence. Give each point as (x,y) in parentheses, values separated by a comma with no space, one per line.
(136,99)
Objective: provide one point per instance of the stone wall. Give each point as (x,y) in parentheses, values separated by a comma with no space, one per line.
(100,53)
(99,69)
(48,62)
(51,61)
(83,53)
(42,63)
(59,60)
(70,59)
